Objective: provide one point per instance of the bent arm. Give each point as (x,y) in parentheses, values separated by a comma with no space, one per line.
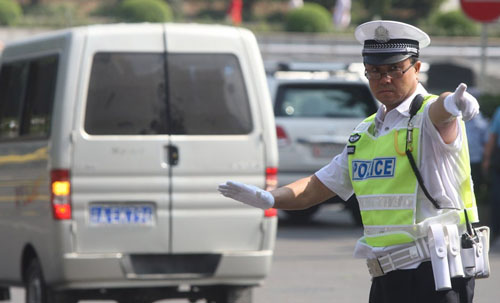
(444,122)
(448,106)
(301,194)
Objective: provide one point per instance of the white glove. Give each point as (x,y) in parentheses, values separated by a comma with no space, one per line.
(461,103)
(247,194)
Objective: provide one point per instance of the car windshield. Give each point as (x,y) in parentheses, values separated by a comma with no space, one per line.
(325,100)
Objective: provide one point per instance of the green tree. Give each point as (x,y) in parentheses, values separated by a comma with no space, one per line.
(311,18)
(145,11)
(401,10)
(453,23)
(10,12)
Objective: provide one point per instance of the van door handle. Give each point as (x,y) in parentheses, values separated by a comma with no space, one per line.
(173,154)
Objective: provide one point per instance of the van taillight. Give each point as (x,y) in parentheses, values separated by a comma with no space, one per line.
(60,194)
(271,178)
(271,183)
(283,139)
(270,212)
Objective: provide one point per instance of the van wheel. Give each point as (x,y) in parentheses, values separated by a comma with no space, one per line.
(36,290)
(231,294)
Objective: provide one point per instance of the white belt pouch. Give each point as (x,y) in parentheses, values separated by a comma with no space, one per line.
(475,259)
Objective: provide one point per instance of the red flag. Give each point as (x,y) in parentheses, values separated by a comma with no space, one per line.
(234,11)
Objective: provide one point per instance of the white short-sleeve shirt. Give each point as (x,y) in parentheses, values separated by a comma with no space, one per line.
(440,163)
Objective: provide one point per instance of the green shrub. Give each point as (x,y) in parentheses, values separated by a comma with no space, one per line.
(145,11)
(10,12)
(210,14)
(453,23)
(52,15)
(276,17)
(311,18)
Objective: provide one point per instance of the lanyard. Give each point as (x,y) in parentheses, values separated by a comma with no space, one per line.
(414,107)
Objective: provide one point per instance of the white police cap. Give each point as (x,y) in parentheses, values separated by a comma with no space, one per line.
(388,42)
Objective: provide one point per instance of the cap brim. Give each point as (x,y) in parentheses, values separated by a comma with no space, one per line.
(381,59)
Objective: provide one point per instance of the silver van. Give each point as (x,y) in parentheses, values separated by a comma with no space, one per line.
(113,139)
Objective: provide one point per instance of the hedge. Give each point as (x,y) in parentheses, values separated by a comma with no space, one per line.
(310,18)
(10,12)
(145,11)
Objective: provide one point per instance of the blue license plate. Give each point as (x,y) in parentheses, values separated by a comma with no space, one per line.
(121,214)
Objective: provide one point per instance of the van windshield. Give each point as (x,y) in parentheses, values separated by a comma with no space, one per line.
(128,95)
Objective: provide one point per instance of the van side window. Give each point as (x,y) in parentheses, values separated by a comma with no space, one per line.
(27,92)
(37,112)
(207,95)
(13,80)
(126,94)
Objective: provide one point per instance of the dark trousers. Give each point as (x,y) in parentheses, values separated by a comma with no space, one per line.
(417,286)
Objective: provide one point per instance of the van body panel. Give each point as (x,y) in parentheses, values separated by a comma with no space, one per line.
(110,171)
(250,47)
(25,216)
(223,157)
(25,212)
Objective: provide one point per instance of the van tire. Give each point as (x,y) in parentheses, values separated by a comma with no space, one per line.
(231,294)
(36,289)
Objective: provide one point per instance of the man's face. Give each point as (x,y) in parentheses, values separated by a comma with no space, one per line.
(389,89)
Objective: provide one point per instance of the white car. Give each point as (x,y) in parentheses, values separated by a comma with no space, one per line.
(315,113)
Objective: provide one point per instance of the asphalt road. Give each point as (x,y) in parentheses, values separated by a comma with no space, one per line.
(313,263)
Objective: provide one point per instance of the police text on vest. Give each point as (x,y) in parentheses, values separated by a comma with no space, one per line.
(376,168)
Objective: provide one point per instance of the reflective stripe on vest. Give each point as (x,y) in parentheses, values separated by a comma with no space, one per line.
(385,184)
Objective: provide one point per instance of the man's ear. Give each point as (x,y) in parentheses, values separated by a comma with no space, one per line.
(417,66)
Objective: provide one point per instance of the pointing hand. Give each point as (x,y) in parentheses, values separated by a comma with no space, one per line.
(461,103)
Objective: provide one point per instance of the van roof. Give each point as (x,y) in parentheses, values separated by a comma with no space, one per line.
(96,29)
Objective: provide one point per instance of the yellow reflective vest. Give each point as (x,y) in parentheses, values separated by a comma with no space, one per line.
(385,184)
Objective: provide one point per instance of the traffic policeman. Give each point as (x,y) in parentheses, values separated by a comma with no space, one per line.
(408,165)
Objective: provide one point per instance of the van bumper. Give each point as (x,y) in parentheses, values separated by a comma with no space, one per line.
(83,271)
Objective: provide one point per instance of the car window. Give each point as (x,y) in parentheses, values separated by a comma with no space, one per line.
(126,94)
(324,100)
(205,94)
(27,91)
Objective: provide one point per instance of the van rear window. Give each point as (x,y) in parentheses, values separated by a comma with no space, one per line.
(129,95)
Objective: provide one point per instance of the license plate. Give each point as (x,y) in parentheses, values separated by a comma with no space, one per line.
(325,150)
(121,214)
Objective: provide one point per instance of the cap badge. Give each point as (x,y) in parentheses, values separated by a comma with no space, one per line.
(381,34)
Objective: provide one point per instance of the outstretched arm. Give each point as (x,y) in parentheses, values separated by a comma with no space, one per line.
(448,106)
(300,194)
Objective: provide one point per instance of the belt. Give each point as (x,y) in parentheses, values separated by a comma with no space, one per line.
(400,258)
